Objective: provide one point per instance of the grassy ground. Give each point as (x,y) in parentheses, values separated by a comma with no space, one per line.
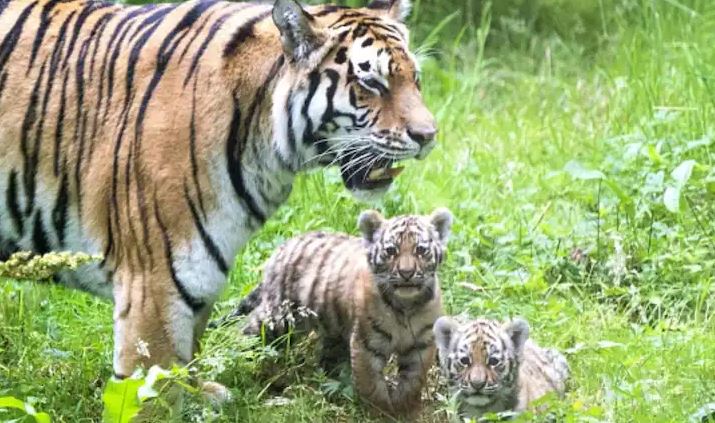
(579,166)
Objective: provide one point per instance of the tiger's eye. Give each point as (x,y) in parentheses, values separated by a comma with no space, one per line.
(391,250)
(493,361)
(465,360)
(421,250)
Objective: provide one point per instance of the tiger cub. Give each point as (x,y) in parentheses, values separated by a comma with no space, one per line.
(368,298)
(493,367)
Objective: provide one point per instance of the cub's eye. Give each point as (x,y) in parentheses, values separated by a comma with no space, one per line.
(391,250)
(373,85)
(465,360)
(420,250)
(493,361)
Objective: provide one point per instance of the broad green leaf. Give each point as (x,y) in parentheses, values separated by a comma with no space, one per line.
(577,171)
(11,402)
(671,199)
(682,173)
(42,418)
(121,403)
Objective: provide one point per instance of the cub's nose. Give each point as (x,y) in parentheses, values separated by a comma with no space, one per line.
(422,133)
(477,385)
(406,274)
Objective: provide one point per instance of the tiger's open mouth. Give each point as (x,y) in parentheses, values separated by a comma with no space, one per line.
(367,173)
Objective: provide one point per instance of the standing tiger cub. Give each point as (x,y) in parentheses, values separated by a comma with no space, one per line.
(494,367)
(368,298)
(164,135)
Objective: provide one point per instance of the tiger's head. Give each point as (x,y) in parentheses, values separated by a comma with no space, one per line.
(480,359)
(404,253)
(351,95)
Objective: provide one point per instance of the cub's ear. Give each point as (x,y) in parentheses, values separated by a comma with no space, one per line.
(518,331)
(299,32)
(369,223)
(443,330)
(395,9)
(441,219)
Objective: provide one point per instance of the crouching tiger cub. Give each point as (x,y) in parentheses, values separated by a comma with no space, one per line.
(494,367)
(370,298)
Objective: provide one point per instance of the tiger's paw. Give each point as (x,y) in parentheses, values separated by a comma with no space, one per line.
(215,393)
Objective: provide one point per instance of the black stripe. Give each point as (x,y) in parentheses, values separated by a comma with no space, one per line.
(202,48)
(8,43)
(152,23)
(194,304)
(192,152)
(328,10)
(416,347)
(43,26)
(11,198)
(194,37)
(209,243)
(30,154)
(39,236)
(3,5)
(314,78)
(59,213)
(366,344)
(243,33)
(234,152)
(209,37)
(81,19)
(114,46)
(3,80)
(59,129)
(377,328)
(318,276)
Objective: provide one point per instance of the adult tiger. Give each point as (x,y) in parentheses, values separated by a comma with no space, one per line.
(164,135)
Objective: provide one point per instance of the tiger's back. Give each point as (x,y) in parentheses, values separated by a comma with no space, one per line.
(542,370)
(312,280)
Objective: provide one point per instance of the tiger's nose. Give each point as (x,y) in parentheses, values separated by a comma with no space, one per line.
(422,133)
(477,385)
(407,274)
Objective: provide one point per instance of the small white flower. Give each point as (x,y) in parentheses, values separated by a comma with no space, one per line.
(143,348)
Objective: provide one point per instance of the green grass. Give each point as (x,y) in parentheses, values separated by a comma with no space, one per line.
(525,120)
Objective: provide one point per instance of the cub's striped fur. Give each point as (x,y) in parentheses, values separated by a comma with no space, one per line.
(494,367)
(164,135)
(368,297)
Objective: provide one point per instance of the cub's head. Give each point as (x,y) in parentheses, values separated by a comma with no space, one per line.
(480,358)
(404,253)
(351,94)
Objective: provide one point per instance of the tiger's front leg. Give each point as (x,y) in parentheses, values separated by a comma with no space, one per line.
(367,362)
(151,323)
(413,366)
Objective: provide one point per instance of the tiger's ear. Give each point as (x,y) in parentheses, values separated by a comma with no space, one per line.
(441,219)
(299,34)
(369,222)
(443,330)
(396,9)
(518,331)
